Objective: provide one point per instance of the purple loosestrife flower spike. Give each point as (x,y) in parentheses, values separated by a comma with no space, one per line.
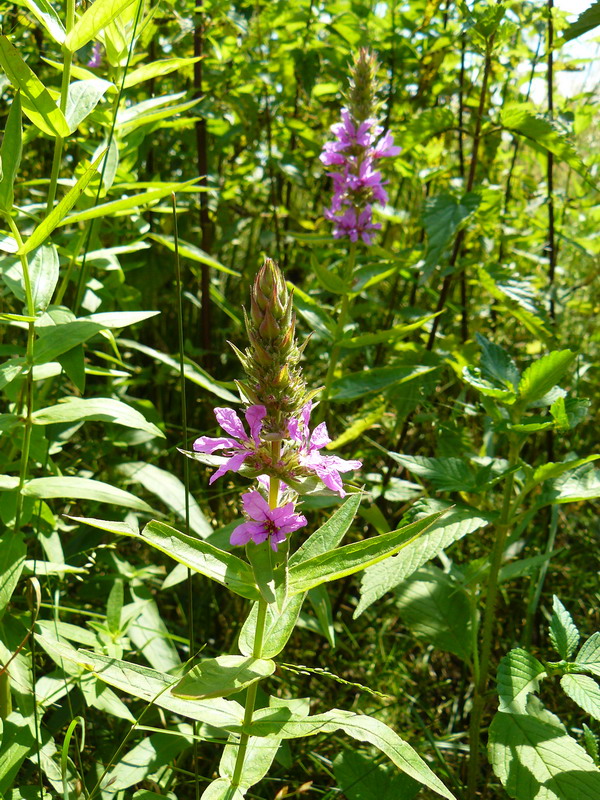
(359,142)
(238,446)
(327,468)
(265,522)
(96,57)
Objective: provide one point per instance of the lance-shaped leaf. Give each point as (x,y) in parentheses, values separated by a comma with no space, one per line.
(222,676)
(259,756)
(279,625)
(10,153)
(545,373)
(563,631)
(99,409)
(68,488)
(93,20)
(330,534)
(352,558)
(37,102)
(586,21)
(47,15)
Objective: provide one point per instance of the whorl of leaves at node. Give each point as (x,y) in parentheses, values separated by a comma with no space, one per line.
(271,361)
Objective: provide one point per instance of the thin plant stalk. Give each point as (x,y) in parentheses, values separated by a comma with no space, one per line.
(489,616)
(339,330)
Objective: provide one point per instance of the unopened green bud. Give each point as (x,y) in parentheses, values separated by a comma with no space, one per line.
(362,97)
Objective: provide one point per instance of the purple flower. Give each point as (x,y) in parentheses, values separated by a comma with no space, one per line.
(385,147)
(265,522)
(96,57)
(327,468)
(354,225)
(238,446)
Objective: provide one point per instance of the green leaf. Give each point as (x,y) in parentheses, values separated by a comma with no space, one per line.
(519,675)
(588,657)
(544,374)
(114,606)
(149,757)
(568,412)
(553,469)
(444,216)
(497,364)
(537,760)
(390,335)
(584,691)
(93,20)
(10,370)
(382,578)
(586,21)
(156,69)
(60,210)
(170,490)
(330,534)
(352,558)
(543,135)
(199,556)
(359,384)
(221,789)
(12,560)
(359,778)
(277,722)
(187,250)
(98,409)
(319,600)
(581,484)
(222,676)
(44,270)
(69,488)
(47,15)
(37,102)
(83,98)
(435,608)
(446,474)
(328,279)
(278,627)
(125,204)
(259,756)
(10,153)
(563,631)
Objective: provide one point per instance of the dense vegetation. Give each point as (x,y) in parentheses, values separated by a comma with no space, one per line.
(154,155)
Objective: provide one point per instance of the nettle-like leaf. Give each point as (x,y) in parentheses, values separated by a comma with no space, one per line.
(445,474)
(360,384)
(563,631)
(588,657)
(586,21)
(519,675)
(544,374)
(584,691)
(444,216)
(359,778)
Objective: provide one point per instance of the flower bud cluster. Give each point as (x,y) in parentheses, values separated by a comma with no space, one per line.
(359,142)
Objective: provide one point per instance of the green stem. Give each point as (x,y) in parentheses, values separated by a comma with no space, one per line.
(64,93)
(29,376)
(257,648)
(489,616)
(339,330)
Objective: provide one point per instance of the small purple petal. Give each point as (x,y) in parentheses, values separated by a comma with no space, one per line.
(319,438)
(233,465)
(230,422)
(242,534)
(256,506)
(254,418)
(205,444)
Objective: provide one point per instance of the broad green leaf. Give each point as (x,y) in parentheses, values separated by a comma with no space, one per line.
(563,631)
(36,100)
(588,657)
(125,204)
(199,556)
(278,627)
(153,687)
(359,778)
(98,695)
(12,559)
(258,758)
(17,743)
(149,756)
(112,526)
(10,153)
(435,608)
(544,374)
(472,376)
(330,534)
(444,216)
(133,117)
(497,364)
(10,370)
(445,474)
(188,250)
(329,280)
(351,558)
(543,135)
(536,760)
(148,632)
(157,68)
(44,270)
(313,312)
(99,409)
(93,20)
(581,484)
(390,335)
(221,789)
(553,469)
(584,691)
(568,412)
(191,370)
(519,675)
(586,21)
(170,490)
(70,488)
(359,384)
(277,722)
(83,98)
(222,676)
(55,340)
(319,600)
(383,577)
(60,210)
(45,13)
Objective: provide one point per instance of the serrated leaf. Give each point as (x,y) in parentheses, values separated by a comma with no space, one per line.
(222,676)
(537,760)
(588,657)
(445,474)
(37,102)
(544,374)
(563,631)
(93,20)
(444,216)
(584,691)
(586,21)
(553,469)
(382,578)
(99,409)
(359,384)
(519,675)
(359,778)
